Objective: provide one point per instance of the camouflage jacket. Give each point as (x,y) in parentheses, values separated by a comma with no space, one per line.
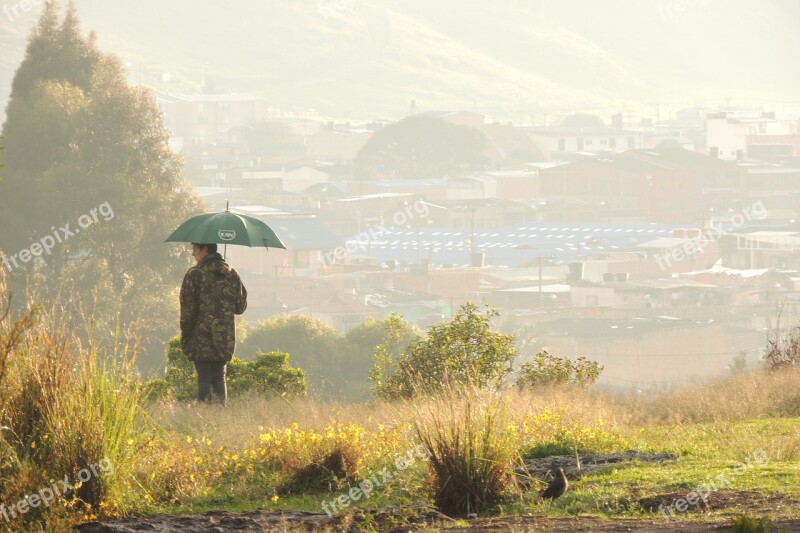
(210,295)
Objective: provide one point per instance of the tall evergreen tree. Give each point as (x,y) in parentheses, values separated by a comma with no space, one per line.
(79,137)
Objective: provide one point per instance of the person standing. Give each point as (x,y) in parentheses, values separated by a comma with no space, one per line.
(211,294)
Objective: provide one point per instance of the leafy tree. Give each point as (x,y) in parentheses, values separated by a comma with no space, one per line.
(268,375)
(338,365)
(313,345)
(421,147)
(547,370)
(78,137)
(464,351)
(391,335)
(398,336)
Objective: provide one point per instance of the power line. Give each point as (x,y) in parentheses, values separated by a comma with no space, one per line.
(660,354)
(641,382)
(628,380)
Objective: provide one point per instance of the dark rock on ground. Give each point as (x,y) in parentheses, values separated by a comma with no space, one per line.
(590,463)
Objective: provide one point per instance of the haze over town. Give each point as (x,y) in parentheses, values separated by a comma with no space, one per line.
(620,179)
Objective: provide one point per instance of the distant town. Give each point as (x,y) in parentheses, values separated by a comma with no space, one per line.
(666,250)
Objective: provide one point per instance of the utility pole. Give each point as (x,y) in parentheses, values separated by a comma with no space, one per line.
(472,231)
(541,301)
(277,268)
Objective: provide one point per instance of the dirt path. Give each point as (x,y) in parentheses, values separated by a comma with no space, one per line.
(419,519)
(289,521)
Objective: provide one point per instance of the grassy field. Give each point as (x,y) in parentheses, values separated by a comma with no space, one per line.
(65,407)
(709,437)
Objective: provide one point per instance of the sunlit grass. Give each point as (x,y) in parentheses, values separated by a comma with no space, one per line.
(66,405)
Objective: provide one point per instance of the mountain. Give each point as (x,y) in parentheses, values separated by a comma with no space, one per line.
(508,58)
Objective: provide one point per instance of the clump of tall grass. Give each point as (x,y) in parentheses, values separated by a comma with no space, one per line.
(472,446)
(326,471)
(63,408)
(751,524)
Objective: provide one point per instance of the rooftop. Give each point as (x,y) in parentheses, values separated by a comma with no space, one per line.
(561,242)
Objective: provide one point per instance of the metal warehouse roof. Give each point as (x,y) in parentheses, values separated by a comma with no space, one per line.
(509,246)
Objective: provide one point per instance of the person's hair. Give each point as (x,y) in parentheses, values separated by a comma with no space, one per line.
(212,247)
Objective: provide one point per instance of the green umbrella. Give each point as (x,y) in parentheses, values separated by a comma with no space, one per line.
(226,228)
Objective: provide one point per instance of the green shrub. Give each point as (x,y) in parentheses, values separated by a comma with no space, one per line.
(268,375)
(464,351)
(549,370)
(313,345)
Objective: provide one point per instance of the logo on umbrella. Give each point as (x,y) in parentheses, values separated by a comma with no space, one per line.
(226,234)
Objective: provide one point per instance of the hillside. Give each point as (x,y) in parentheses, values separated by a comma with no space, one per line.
(511,58)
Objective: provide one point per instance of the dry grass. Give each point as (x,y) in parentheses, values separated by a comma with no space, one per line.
(749,396)
(752,396)
(249,415)
(62,410)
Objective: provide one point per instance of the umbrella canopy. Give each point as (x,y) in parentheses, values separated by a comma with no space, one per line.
(226,228)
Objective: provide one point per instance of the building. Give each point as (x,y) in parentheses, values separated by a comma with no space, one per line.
(582,135)
(206,118)
(664,185)
(733,135)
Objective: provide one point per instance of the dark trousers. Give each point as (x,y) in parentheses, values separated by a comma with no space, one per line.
(211,381)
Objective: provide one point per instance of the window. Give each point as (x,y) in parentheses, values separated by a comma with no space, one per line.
(612,142)
(562,145)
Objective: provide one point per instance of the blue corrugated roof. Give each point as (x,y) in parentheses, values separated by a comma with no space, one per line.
(509,246)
